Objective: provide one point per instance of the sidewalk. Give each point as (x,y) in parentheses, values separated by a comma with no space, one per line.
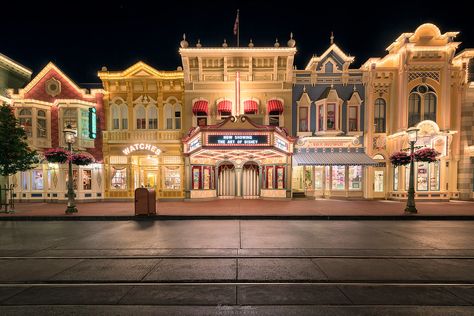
(249,208)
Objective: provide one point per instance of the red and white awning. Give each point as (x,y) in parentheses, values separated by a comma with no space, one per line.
(201,106)
(250,106)
(275,106)
(224,106)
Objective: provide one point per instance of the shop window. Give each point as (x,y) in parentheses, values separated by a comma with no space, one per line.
(206,178)
(74,179)
(115,116)
(274,118)
(41,124)
(25,118)
(25,180)
(318,178)
(338,177)
(172,178)
(321,118)
(395,178)
(87,179)
(280,177)
(407,177)
(140,117)
(422,104)
(303,119)
(379,115)
(196,174)
(270,177)
(38,181)
(355,178)
(119,178)
(422,178)
(331,116)
(434,176)
(124,116)
(152,117)
(353,117)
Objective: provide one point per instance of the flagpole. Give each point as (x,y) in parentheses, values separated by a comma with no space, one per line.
(238,28)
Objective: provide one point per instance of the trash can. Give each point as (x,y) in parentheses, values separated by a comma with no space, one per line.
(151,202)
(145,202)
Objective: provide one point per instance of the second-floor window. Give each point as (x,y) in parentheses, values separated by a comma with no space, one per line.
(152,117)
(353,118)
(379,115)
(331,116)
(320,117)
(70,117)
(172,116)
(140,117)
(303,119)
(41,124)
(25,117)
(422,104)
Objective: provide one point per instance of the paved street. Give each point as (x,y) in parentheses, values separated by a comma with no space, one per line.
(232,267)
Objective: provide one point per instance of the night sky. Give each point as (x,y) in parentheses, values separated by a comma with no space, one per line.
(82,37)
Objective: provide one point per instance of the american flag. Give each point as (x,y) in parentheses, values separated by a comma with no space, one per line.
(236,24)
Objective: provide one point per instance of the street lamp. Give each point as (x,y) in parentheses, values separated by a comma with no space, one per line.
(412,137)
(70,138)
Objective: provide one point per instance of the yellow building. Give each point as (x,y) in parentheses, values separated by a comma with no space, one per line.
(142,141)
(415,85)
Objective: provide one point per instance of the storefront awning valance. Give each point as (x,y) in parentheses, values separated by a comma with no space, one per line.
(333,159)
(224,106)
(200,106)
(275,106)
(250,106)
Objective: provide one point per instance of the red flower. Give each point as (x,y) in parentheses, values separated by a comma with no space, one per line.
(57,155)
(400,158)
(82,159)
(426,154)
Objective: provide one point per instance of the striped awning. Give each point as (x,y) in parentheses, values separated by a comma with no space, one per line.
(275,105)
(250,106)
(333,159)
(200,106)
(224,106)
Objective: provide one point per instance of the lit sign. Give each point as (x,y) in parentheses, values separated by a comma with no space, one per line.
(237,140)
(92,123)
(280,144)
(130,149)
(196,143)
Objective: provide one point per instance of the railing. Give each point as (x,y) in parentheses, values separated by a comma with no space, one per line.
(147,135)
(6,198)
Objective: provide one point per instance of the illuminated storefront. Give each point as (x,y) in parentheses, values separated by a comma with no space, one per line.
(238,158)
(142,141)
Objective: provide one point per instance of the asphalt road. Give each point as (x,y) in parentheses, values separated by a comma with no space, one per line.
(236,267)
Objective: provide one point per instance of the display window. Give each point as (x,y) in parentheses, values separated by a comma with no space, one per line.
(355,178)
(87,179)
(422,176)
(338,177)
(206,178)
(74,179)
(119,178)
(270,177)
(395,178)
(280,177)
(434,176)
(172,178)
(318,178)
(38,181)
(407,177)
(378,181)
(196,177)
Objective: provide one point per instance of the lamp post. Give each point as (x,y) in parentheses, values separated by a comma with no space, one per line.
(70,138)
(412,137)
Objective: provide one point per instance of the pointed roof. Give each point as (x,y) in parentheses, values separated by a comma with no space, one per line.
(9,63)
(333,48)
(140,69)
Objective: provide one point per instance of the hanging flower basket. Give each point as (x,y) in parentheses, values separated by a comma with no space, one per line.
(57,155)
(426,155)
(82,159)
(400,158)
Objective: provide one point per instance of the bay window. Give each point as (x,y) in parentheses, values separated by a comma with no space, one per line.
(41,124)
(25,118)
(331,116)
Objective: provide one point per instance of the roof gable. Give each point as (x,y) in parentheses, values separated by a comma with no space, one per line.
(333,52)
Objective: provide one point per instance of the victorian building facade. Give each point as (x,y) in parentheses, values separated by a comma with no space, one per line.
(238,106)
(143,130)
(44,108)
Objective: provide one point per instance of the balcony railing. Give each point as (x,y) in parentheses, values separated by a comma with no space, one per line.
(145,135)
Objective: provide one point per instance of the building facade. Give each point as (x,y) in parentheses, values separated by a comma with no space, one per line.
(238,106)
(44,108)
(143,131)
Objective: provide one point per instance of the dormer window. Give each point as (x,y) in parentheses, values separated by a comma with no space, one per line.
(353,118)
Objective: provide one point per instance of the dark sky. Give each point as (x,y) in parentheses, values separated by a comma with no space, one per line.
(81,37)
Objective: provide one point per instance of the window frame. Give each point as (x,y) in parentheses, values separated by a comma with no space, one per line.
(378,118)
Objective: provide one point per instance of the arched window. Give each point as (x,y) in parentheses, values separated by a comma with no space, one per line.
(115,116)
(152,117)
(422,104)
(41,124)
(329,67)
(70,117)
(414,109)
(140,115)
(379,115)
(26,121)
(168,111)
(177,116)
(430,106)
(124,116)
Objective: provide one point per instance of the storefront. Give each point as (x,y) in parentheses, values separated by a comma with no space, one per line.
(330,167)
(432,180)
(238,159)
